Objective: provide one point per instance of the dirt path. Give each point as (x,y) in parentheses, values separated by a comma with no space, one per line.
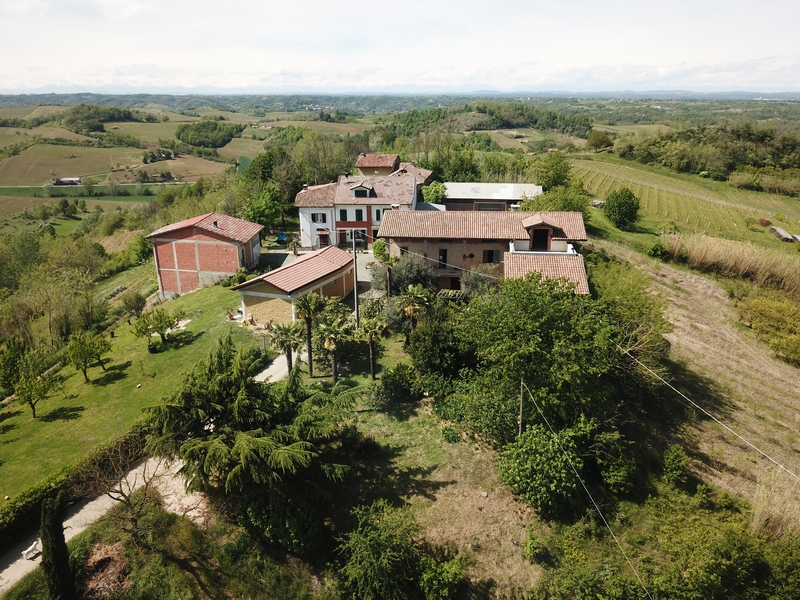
(756,395)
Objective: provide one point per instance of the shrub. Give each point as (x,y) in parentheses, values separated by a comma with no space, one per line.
(399,383)
(450,435)
(659,251)
(675,461)
(622,208)
(764,222)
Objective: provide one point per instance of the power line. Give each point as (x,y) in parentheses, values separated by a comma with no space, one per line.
(708,414)
(588,493)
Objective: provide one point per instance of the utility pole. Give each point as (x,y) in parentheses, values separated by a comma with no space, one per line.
(520,406)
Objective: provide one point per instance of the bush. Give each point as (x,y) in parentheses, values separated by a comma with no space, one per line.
(659,251)
(675,461)
(622,208)
(399,383)
(450,435)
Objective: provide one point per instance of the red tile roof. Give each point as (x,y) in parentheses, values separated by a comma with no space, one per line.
(316,196)
(304,271)
(550,265)
(421,175)
(378,161)
(237,230)
(489,225)
(384,189)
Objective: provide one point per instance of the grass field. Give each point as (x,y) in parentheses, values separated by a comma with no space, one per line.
(243,146)
(81,416)
(185,168)
(639,128)
(11,135)
(688,201)
(325,127)
(40,163)
(146,132)
(29,112)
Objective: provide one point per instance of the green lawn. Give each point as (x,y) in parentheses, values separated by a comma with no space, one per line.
(80,416)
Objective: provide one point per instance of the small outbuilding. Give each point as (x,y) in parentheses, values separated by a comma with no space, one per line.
(203,250)
(271,297)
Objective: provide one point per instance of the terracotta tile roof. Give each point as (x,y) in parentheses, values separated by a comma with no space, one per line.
(303,271)
(384,189)
(422,176)
(551,265)
(378,161)
(234,229)
(487,225)
(316,196)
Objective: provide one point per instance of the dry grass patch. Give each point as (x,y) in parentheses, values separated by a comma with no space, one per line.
(456,495)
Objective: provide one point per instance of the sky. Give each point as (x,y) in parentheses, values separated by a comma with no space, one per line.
(414,46)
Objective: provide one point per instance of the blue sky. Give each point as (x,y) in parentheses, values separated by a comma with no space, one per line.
(199,46)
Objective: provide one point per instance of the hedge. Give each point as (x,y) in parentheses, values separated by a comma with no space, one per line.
(25,510)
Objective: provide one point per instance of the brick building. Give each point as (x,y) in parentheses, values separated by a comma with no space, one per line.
(203,250)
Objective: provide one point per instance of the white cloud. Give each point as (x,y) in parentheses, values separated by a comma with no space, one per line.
(577,45)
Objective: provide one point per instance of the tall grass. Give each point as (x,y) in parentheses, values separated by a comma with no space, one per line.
(765,267)
(776,513)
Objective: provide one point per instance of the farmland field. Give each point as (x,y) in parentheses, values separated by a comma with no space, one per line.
(691,202)
(11,135)
(325,127)
(639,128)
(40,163)
(146,132)
(184,168)
(243,146)
(29,112)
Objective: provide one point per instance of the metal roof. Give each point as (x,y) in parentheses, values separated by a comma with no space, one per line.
(506,192)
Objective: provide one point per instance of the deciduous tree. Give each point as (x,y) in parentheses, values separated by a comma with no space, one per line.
(622,208)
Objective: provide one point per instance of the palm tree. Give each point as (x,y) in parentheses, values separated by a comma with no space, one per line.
(334,332)
(309,307)
(287,338)
(371,331)
(414,300)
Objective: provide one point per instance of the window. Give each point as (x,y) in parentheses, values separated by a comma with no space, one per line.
(361,193)
(442,258)
(491,256)
(377,214)
(319,218)
(343,214)
(359,214)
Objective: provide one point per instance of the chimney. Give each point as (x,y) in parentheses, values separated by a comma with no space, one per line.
(395,207)
(305,186)
(515,208)
(215,225)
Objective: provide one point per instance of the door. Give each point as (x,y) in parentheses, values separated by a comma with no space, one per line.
(442,258)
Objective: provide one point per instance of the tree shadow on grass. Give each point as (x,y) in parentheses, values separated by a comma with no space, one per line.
(179,339)
(113,374)
(596,232)
(374,475)
(63,413)
(6,427)
(9,414)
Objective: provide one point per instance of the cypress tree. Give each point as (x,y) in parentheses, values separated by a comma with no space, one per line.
(55,556)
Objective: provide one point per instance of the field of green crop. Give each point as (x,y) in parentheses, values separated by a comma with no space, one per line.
(40,163)
(243,146)
(146,132)
(325,127)
(715,208)
(11,135)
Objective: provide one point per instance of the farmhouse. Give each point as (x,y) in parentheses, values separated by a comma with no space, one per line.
(333,213)
(271,297)
(377,164)
(487,196)
(453,242)
(203,250)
